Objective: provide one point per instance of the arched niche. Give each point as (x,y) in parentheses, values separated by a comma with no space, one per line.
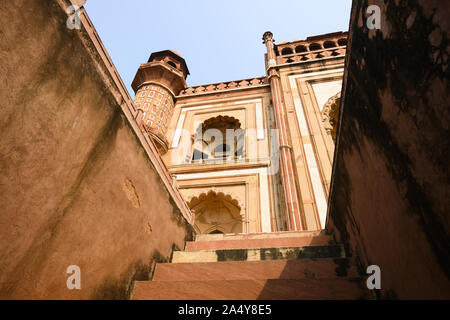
(330,113)
(216,213)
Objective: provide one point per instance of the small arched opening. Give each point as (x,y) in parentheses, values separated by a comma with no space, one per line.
(329,44)
(300,49)
(286,51)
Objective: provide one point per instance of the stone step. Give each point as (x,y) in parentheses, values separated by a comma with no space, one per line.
(248,270)
(264,289)
(258,235)
(271,242)
(284,253)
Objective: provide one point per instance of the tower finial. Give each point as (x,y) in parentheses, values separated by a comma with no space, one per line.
(267,36)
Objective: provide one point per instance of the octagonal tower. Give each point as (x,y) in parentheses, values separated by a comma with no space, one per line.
(156,84)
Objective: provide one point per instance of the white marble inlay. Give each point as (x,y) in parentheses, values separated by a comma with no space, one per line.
(177,133)
(319,194)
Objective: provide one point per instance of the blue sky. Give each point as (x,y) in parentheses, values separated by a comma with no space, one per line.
(220,40)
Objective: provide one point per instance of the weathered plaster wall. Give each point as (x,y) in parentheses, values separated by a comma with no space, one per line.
(76,187)
(390,195)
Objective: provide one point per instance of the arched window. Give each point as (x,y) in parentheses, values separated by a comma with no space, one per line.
(219,138)
(286,50)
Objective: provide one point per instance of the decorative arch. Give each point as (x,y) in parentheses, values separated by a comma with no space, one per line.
(216,212)
(206,144)
(300,49)
(287,50)
(330,113)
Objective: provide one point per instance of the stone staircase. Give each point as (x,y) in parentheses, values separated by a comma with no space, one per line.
(280,265)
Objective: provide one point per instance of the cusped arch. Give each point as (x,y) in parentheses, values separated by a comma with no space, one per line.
(330,114)
(216,211)
(205,143)
(220,122)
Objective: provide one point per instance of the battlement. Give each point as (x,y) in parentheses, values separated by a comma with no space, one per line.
(315,47)
(222,86)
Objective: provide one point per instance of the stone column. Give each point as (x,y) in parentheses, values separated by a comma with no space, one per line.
(291,197)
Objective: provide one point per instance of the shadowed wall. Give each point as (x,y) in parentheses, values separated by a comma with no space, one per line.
(76,186)
(390,194)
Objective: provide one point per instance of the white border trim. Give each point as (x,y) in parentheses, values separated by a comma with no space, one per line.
(311,161)
(263,186)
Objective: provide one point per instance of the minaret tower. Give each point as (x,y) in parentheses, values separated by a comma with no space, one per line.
(156,85)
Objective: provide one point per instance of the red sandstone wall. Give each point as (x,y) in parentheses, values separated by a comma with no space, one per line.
(390,194)
(76,187)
